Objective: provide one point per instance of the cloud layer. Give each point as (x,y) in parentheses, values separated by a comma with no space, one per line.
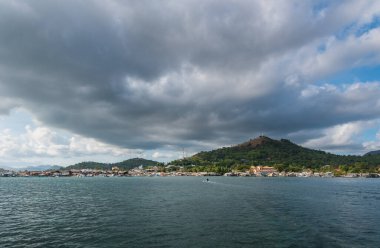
(149,75)
(44,142)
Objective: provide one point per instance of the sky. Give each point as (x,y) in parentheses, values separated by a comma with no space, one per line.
(111,80)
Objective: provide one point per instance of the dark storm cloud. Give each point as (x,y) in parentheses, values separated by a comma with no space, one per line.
(144,74)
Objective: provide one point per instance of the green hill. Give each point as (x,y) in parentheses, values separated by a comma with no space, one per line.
(125,165)
(135,162)
(282,154)
(89,165)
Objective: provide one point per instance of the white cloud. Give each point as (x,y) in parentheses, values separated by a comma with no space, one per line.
(373,145)
(41,141)
(308,63)
(45,142)
(341,138)
(164,155)
(336,136)
(345,54)
(86,146)
(7,142)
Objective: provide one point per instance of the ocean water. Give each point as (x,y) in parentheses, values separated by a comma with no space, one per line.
(187,212)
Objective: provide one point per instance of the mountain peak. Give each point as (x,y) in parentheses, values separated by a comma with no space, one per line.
(252,143)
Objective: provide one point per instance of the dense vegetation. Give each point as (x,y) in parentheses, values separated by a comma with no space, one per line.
(282,154)
(125,165)
(135,162)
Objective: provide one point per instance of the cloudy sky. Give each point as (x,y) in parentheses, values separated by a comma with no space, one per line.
(112,80)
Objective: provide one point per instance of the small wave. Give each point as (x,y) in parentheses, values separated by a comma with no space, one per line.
(205,181)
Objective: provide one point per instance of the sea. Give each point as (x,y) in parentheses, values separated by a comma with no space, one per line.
(189,212)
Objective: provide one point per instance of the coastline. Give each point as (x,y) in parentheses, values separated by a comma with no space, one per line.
(143,173)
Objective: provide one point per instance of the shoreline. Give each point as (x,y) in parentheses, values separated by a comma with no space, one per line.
(45,174)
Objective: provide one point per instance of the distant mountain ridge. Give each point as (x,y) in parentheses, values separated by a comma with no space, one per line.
(377,152)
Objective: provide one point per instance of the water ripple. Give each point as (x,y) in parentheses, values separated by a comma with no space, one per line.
(184,212)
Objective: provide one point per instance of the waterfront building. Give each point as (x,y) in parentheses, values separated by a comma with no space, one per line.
(263,170)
